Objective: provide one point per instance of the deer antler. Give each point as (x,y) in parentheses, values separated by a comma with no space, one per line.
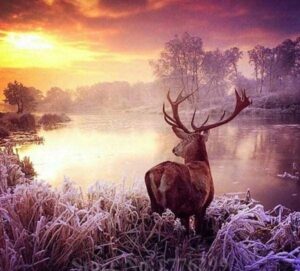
(174,120)
(242,101)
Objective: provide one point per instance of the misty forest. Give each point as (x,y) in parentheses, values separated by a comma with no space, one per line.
(195,167)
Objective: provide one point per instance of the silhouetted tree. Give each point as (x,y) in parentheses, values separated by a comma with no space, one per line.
(57,99)
(296,68)
(279,65)
(286,58)
(37,99)
(217,68)
(183,64)
(180,62)
(258,57)
(233,55)
(17,94)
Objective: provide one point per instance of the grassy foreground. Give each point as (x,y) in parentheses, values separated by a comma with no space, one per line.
(111,228)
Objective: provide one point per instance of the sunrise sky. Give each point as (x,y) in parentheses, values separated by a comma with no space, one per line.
(69,43)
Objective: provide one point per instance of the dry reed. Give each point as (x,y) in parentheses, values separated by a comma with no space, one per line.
(112,228)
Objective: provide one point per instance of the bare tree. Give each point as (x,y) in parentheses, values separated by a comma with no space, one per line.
(180,63)
(258,57)
(285,58)
(296,68)
(183,64)
(218,67)
(279,64)
(233,55)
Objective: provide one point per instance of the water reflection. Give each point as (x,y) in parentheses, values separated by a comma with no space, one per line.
(242,154)
(86,156)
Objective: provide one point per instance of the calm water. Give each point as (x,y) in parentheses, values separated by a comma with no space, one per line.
(121,148)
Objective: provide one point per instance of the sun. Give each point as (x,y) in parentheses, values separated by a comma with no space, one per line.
(41,50)
(29,41)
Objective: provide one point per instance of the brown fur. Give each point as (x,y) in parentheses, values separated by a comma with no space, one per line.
(186,189)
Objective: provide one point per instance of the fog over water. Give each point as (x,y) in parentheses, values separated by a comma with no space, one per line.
(121,147)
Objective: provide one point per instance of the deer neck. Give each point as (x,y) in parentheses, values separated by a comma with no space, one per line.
(196,154)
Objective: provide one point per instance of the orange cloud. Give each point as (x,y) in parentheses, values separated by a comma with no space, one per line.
(89,41)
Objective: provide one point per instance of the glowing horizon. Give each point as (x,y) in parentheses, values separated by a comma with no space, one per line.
(49,43)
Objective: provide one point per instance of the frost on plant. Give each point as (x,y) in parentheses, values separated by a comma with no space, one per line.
(113,228)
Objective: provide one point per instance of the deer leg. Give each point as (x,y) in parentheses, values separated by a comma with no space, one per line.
(156,208)
(185,221)
(199,222)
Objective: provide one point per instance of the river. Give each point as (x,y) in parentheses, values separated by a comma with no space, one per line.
(121,147)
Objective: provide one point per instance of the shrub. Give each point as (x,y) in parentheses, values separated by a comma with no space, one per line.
(27,168)
(15,122)
(51,120)
(27,122)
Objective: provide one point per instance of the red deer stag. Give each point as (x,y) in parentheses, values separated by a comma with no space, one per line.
(187,189)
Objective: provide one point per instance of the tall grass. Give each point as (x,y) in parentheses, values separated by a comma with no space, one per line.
(112,227)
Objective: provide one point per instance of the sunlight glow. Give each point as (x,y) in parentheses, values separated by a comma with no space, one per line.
(37,49)
(29,41)
(42,59)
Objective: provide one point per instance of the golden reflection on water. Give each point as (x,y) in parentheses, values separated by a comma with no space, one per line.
(245,149)
(87,156)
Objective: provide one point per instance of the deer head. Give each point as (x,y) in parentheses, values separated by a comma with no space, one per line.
(192,147)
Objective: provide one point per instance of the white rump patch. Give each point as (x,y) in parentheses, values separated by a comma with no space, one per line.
(163,187)
(153,186)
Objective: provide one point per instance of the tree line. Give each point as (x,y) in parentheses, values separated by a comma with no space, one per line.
(183,64)
(274,67)
(28,99)
(115,95)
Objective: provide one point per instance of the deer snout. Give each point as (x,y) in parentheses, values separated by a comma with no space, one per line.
(175,151)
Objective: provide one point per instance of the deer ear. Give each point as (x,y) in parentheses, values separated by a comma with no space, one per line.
(205,135)
(179,133)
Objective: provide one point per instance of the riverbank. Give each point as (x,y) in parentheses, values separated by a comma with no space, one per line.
(22,128)
(112,227)
(268,105)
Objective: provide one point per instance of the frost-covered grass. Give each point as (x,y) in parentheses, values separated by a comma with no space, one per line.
(112,227)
